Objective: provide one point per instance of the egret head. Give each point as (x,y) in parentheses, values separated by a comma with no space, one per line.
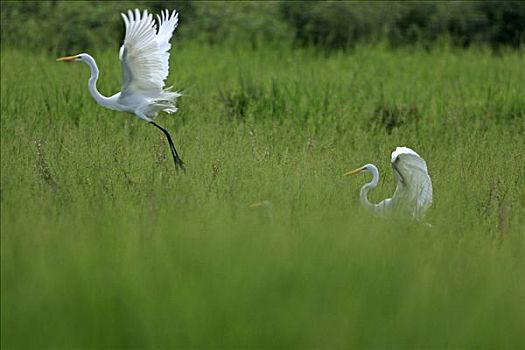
(263,204)
(75,58)
(366,167)
(264,209)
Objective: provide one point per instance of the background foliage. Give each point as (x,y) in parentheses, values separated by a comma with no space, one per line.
(58,26)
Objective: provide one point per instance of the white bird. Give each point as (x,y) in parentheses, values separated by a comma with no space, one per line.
(144,57)
(265,204)
(265,209)
(414,187)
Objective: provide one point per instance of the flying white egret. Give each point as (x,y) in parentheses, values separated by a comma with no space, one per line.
(144,57)
(414,187)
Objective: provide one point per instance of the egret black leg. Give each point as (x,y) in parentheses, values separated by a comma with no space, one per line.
(176,158)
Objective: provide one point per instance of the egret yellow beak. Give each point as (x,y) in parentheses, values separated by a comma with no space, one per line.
(354,172)
(255,205)
(67,58)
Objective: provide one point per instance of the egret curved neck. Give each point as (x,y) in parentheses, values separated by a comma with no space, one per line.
(92,85)
(368,186)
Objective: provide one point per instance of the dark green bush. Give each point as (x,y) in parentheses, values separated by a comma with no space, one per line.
(62,26)
(495,23)
(343,24)
(505,22)
(334,25)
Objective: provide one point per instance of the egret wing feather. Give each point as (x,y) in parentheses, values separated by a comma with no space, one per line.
(414,186)
(144,54)
(167,24)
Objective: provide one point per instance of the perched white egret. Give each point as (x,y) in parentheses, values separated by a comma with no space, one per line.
(414,187)
(144,57)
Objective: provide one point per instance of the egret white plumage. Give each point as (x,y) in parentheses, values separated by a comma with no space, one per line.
(144,57)
(413,185)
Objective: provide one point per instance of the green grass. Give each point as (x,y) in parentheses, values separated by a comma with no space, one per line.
(105,245)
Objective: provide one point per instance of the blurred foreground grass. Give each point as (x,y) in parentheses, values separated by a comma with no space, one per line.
(104,244)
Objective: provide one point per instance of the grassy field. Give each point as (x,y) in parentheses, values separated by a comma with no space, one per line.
(105,245)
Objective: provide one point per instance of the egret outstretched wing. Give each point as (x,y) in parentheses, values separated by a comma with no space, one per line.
(144,54)
(414,183)
(167,25)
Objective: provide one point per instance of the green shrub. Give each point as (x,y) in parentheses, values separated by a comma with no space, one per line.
(65,27)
